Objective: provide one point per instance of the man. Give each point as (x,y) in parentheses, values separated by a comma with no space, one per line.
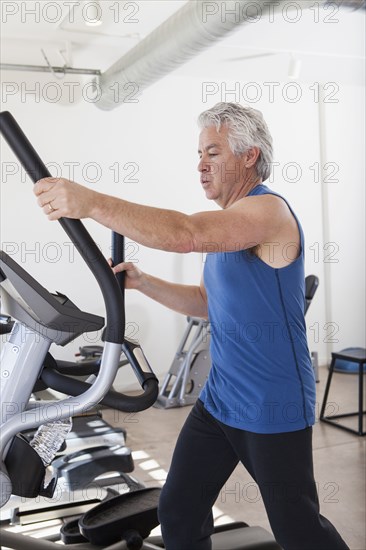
(258,404)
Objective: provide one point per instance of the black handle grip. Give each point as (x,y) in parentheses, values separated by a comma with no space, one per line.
(118,256)
(33,165)
(112,399)
(22,148)
(138,361)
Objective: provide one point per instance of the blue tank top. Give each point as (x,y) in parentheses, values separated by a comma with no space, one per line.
(261,379)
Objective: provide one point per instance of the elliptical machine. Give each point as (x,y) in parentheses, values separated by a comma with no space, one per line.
(42,318)
(123,521)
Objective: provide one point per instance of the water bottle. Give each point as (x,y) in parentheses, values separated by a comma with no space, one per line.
(49,438)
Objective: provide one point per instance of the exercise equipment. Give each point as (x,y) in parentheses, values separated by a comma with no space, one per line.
(40,319)
(97,449)
(190,367)
(43,318)
(311,286)
(346,366)
(27,336)
(6,324)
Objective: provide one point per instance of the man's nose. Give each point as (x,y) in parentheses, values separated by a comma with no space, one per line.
(203,166)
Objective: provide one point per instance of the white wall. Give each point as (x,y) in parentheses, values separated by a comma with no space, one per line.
(345,143)
(159,135)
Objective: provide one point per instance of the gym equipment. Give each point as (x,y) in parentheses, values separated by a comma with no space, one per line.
(189,369)
(98,451)
(347,366)
(127,517)
(6,324)
(25,337)
(43,318)
(311,286)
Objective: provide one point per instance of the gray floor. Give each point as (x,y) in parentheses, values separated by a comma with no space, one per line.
(339,459)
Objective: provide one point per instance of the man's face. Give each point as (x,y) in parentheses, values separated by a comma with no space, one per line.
(222,173)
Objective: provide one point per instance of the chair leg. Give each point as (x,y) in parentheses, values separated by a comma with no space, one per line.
(360,398)
(325,398)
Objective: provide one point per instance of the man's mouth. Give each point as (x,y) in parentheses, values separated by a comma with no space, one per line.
(205,182)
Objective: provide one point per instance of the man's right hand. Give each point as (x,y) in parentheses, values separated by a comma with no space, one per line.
(186,299)
(133,275)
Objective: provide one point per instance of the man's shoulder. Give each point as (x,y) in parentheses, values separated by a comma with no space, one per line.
(264,201)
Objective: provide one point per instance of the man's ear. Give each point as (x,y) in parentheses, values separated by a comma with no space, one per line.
(252,156)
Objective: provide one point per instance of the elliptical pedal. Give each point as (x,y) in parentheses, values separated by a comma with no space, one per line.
(129,517)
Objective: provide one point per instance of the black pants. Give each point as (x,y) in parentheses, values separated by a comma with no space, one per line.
(206,454)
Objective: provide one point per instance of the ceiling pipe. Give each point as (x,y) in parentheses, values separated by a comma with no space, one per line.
(192,29)
(48,69)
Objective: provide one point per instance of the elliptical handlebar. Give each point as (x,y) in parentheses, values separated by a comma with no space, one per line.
(131,349)
(71,386)
(118,256)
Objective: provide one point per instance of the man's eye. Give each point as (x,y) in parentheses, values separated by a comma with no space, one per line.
(212,155)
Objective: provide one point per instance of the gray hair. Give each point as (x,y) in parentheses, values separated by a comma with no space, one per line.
(246,128)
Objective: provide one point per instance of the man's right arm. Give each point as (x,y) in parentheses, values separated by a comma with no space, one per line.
(189,300)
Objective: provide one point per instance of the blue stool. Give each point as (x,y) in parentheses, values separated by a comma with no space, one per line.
(358,356)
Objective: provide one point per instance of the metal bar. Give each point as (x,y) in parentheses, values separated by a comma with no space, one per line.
(17,378)
(178,380)
(324,196)
(343,415)
(17,541)
(188,361)
(360,398)
(345,428)
(178,354)
(45,69)
(325,398)
(67,407)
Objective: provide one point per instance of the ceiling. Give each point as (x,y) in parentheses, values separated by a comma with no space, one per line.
(330,42)
(64,27)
